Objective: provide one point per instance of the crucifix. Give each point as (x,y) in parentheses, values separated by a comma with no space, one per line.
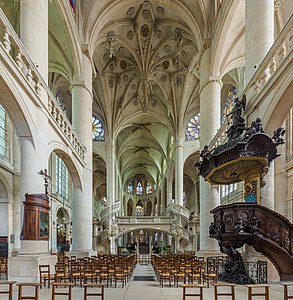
(47,178)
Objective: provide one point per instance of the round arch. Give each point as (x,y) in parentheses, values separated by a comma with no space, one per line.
(70,164)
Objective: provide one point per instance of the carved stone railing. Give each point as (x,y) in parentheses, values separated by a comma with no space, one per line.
(144,220)
(262,228)
(108,213)
(177,209)
(280,51)
(15,52)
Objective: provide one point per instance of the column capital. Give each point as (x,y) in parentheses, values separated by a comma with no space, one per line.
(211,79)
(82,84)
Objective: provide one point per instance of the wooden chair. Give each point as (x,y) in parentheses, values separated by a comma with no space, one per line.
(68,293)
(211,275)
(165,274)
(266,292)
(286,285)
(9,291)
(61,272)
(45,275)
(94,285)
(220,285)
(76,272)
(190,286)
(36,285)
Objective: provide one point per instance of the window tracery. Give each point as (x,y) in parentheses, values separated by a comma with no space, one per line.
(193,128)
(98,133)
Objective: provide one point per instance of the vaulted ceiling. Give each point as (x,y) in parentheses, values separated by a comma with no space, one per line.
(145,85)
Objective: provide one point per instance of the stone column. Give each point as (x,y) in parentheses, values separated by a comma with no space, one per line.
(111,185)
(110,173)
(159,204)
(169,189)
(34,156)
(163,197)
(259,33)
(179,170)
(34,32)
(82,122)
(210,97)
(267,192)
(280,192)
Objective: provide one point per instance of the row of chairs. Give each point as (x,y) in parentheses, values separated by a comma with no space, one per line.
(185,270)
(106,269)
(228,290)
(55,291)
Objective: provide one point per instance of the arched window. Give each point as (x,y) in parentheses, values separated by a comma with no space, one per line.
(98,133)
(148,189)
(62,178)
(192,128)
(130,188)
(229,102)
(139,190)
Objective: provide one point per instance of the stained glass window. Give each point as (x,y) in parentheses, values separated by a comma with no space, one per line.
(192,129)
(98,133)
(61,178)
(229,102)
(139,188)
(2,130)
(130,188)
(148,189)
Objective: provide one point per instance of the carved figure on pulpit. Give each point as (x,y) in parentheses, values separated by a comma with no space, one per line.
(278,136)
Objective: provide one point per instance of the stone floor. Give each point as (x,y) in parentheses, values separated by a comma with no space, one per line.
(151,290)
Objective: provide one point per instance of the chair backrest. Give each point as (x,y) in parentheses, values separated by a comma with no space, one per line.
(44,269)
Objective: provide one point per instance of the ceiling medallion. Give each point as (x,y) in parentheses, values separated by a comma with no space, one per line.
(121,50)
(123,64)
(145,14)
(106,57)
(160,11)
(145,30)
(125,77)
(131,11)
(159,34)
(184,53)
(136,101)
(130,35)
(166,64)
(167,49)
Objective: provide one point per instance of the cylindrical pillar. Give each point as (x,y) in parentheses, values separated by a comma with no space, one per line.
(210,98)
(82,122)
(280,192)
(267,192)
(179,170)
(34,32)
(259,33)
(110,173)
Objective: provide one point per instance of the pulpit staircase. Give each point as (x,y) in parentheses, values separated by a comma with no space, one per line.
(260,227)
